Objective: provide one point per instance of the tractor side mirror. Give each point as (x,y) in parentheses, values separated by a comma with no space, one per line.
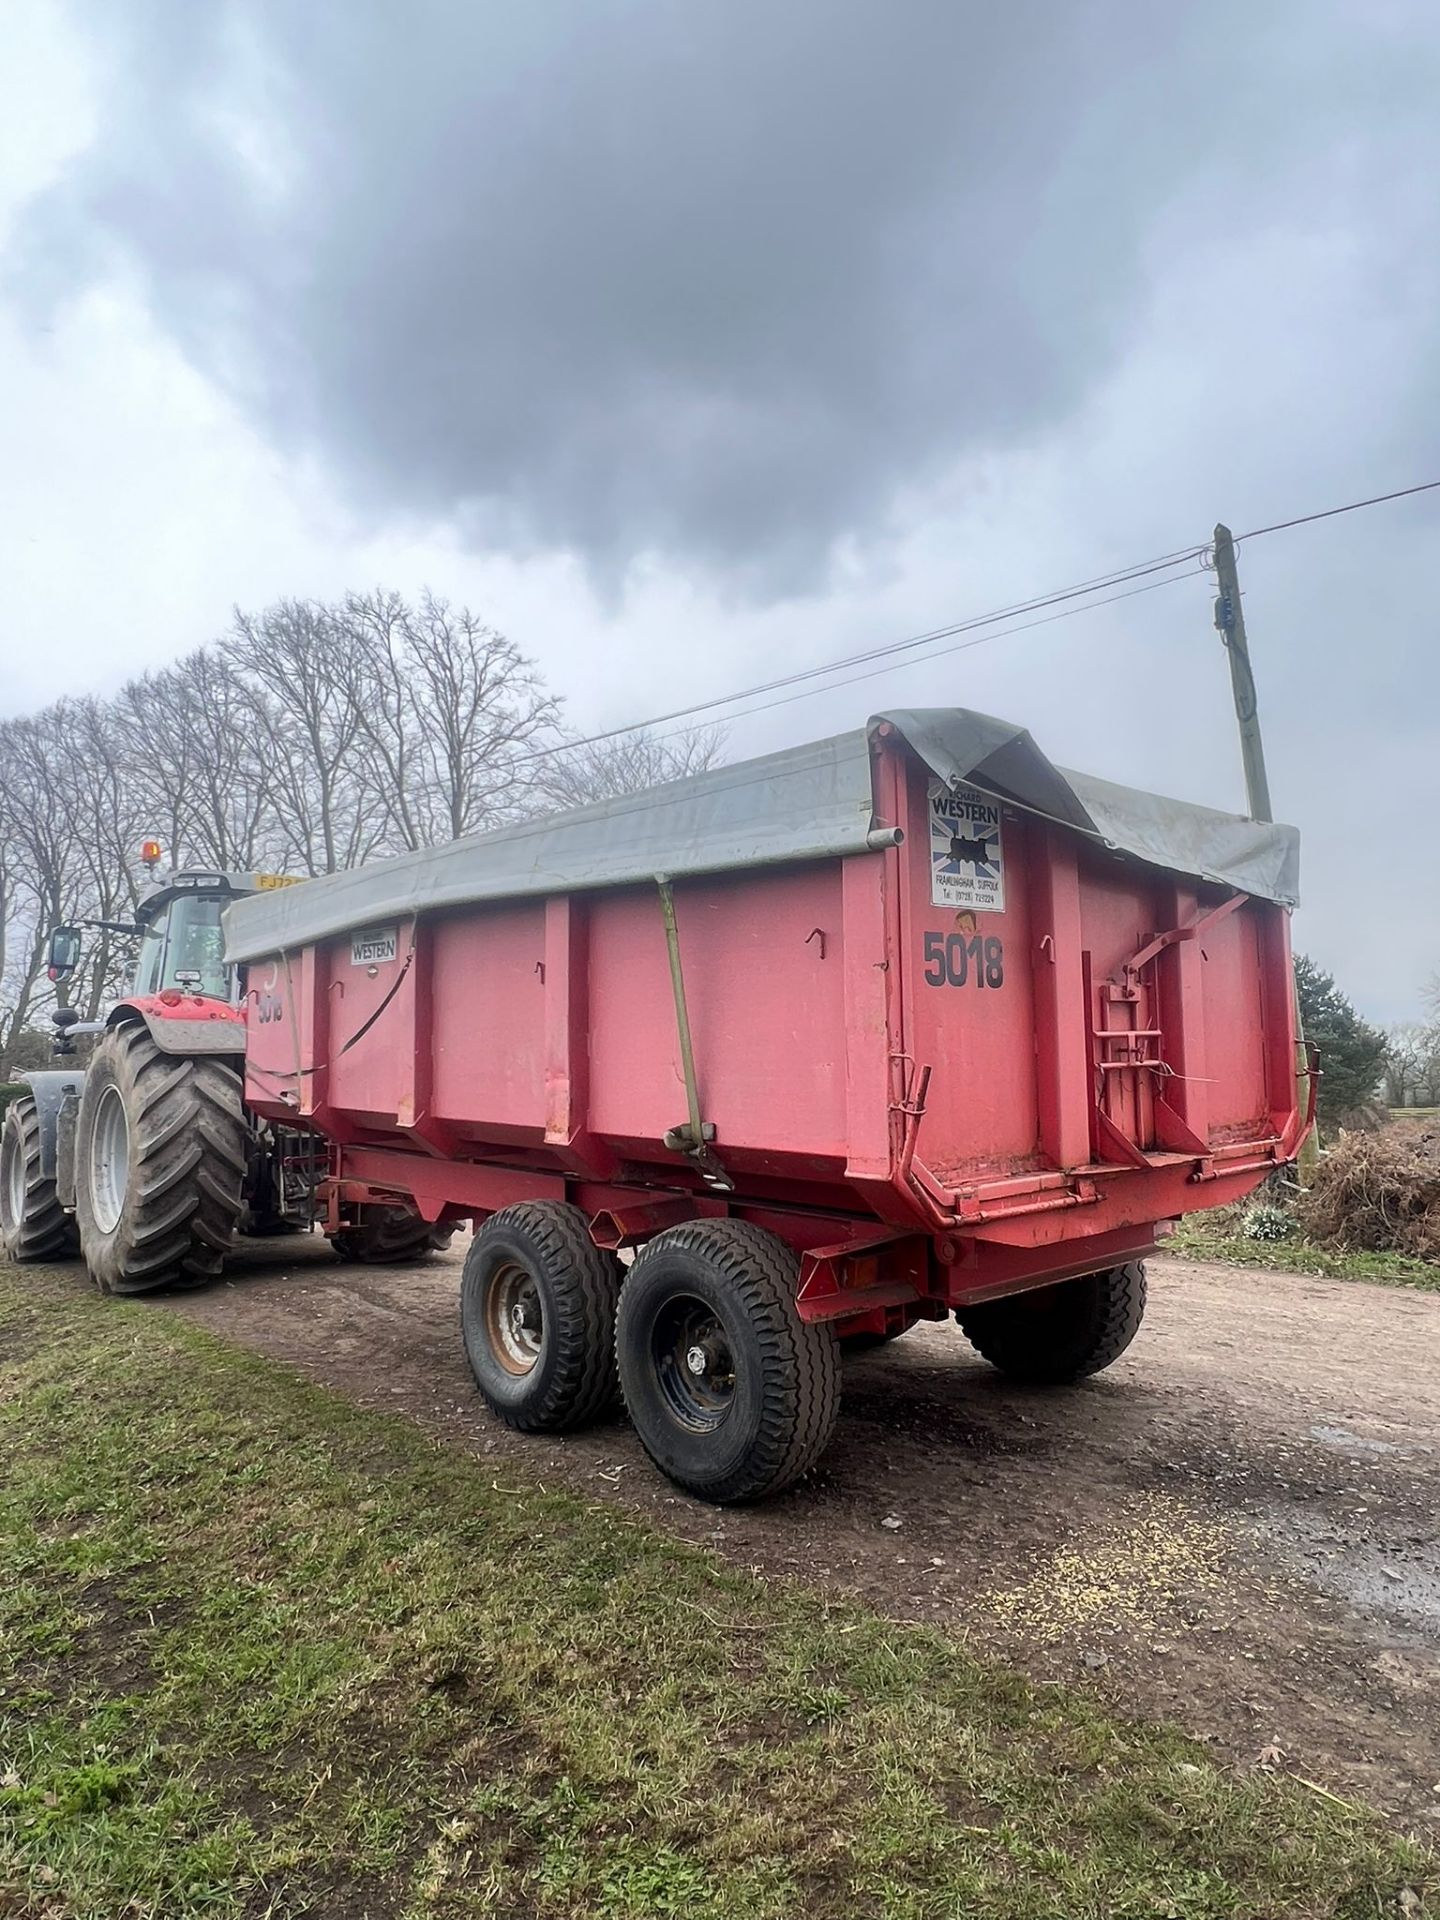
(64,952)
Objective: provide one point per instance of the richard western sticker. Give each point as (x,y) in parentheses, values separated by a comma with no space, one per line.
(967,860)
(374,946)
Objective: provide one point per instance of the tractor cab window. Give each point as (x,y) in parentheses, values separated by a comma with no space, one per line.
(151,957)
(184,947)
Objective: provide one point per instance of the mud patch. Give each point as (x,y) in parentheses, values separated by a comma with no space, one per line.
(1394,1579)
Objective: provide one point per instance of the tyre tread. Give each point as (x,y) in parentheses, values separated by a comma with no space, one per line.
(187,1188)
(584,1383)
(802,1398)
(44,1231)
(390,1237)
(1008,1343)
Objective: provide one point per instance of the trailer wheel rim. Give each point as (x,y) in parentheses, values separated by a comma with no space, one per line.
(12,1182)
(693,1363)
(515,1319)
(109,1160)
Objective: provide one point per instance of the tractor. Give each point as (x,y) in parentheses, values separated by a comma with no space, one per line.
(145,1159)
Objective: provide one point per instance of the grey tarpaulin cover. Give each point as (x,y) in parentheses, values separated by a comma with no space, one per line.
(801,804)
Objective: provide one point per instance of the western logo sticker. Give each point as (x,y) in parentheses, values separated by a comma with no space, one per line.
(967,860)
(373,947)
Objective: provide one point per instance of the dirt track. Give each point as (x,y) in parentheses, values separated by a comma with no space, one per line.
(1234,1528)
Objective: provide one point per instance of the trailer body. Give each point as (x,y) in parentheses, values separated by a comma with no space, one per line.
(1031,1082)
(957,1024)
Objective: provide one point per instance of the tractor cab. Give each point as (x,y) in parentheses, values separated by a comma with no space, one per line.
(181,942)
(182,945)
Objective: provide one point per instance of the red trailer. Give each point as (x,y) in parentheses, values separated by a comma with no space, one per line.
(900,1024)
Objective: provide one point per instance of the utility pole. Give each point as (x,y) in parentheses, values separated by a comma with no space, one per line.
(1230,622)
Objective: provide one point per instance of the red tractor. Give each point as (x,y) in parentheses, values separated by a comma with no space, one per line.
(146,1159)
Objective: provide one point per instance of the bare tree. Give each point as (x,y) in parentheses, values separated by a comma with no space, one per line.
(194,737)
(21,935)
(48,878)
(630,763)
(42,884)
(449,711)
(311,738)
(1412,1065)
(103,828)
(295,657)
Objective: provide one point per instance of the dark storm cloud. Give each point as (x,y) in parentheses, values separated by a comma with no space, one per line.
(708,278)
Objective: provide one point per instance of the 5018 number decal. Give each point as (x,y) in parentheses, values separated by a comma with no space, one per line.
(953,961)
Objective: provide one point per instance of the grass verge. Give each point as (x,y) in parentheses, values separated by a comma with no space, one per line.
(1192,1242)
(264,1654)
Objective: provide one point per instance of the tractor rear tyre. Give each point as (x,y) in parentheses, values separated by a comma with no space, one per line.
(390,1237)
(1054,1335)
(733,1395)
(537,1315)
(159,1164)
(33,1225)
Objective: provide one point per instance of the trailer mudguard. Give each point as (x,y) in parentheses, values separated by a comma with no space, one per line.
(48,1088)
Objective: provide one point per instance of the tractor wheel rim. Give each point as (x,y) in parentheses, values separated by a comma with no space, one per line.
(12,1182)
(694,1365)
(109,1160)
(515,1319)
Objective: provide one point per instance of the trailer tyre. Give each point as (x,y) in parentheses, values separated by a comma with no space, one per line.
(537,1315)
(733,1395)
(387,1237)
(33,1225)
(1058,1334)
(159,1164)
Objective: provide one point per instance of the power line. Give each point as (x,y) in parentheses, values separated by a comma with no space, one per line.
(963,646)
(888,654)
(732,778)
(1354,506)
(1140,570)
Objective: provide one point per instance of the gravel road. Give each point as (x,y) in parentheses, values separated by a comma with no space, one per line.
(1234,1528)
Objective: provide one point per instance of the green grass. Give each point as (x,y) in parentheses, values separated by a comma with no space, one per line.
(1192,1242)
(262,1653)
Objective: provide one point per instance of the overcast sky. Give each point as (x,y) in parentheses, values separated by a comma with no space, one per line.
(690,342)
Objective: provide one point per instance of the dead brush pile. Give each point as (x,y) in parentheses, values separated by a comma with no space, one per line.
(1377,1193)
